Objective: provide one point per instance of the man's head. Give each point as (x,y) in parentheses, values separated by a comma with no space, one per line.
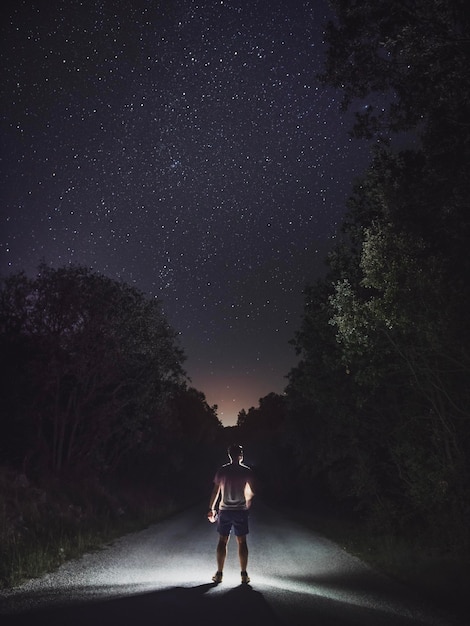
(235,452)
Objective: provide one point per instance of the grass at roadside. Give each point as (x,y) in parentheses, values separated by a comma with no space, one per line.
(433,572)
(45,546)
(42,527)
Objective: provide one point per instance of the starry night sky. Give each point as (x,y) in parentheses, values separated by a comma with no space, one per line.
(187,148)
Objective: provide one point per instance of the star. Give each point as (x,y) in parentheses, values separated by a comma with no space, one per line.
(187,149)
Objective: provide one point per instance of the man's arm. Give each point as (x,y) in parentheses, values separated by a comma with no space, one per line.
(249,492)
(213,500)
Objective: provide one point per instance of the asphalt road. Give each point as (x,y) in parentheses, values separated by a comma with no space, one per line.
(162,575)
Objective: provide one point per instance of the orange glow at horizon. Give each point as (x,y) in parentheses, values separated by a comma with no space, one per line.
(232,394)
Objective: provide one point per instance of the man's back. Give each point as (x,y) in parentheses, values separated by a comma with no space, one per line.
(232,479)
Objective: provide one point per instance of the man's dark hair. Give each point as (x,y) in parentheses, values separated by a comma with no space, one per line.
(235,450)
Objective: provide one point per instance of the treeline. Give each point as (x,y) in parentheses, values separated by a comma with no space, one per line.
(100,433)
(377,411)
(93,385)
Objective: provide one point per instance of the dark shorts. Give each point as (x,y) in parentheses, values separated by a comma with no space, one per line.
(238,520)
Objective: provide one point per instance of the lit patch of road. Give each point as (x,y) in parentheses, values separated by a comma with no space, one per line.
(296,575)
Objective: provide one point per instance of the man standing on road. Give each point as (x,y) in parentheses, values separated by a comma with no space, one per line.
(233,484)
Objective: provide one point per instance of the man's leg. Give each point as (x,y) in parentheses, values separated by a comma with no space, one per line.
(221,553)
(243,552)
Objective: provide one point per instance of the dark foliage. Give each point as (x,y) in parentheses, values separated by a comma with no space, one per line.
(93,382)
(378,404)
(375,415)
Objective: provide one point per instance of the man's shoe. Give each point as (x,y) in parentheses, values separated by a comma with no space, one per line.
(245,578)
(217,577)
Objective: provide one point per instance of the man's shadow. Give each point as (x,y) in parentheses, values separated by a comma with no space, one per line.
(173,605)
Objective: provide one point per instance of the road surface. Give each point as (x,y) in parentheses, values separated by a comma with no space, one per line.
(162,575)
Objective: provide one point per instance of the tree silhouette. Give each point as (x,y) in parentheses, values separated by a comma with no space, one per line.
(97,360)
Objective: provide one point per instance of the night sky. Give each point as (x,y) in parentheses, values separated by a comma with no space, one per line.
(187,148)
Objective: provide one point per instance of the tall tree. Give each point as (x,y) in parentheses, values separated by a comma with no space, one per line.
(102,361)
(398,296)
(416,52)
